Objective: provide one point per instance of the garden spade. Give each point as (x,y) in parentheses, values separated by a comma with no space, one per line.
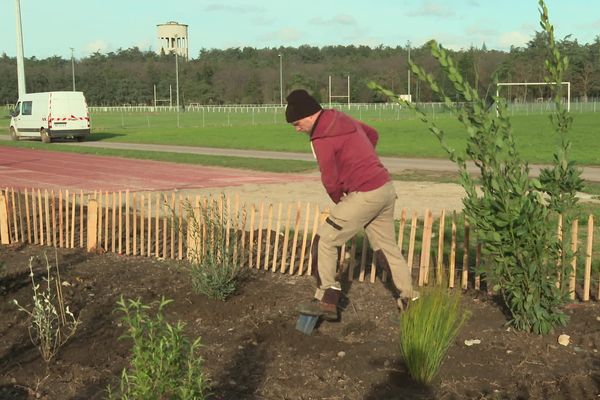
(306,323)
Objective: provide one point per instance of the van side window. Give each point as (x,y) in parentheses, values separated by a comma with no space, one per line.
(26,107)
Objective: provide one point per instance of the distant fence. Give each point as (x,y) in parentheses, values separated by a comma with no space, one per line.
(200,116)
(273,237)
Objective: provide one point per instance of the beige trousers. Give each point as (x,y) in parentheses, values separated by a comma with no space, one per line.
(373,211)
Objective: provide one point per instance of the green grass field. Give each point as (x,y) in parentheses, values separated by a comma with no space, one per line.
(404,137)
(401,134)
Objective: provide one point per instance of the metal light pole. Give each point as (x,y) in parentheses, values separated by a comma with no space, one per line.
(408,68)
(20,56)
(280,80)
(177,78)
(73,67)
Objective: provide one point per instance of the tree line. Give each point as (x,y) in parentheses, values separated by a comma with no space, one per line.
(252,76)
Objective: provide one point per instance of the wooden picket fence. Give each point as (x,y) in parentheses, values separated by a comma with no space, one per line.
(273,237)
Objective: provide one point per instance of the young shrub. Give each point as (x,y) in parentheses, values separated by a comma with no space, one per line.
(164,364)
(51,323)
(214,249)
(512,218)
(428,328)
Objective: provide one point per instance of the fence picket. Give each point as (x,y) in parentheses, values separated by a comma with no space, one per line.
(157,227)
(304,239)
(411,241)
(92,228)
(425,248)
(106,220)
(314,233)
(440,251)
(268,239)
(259,245)
(149,225)
(81,218)
(465,264)
(16,214)
(295,239)
(21,227)
(276,245)
(66,212)
(286,238)
(142,230)
(251,239)
(452,258)
(134,217)
(4,230)
(53,215)
(572,281)
(363,259)
(27,215)
(173,219)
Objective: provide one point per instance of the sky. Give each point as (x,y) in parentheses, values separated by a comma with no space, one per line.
(53,27)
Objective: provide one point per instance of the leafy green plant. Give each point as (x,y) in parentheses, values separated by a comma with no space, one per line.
(215,249)
(51,323)
(165,364)
(512,219)
(428,328)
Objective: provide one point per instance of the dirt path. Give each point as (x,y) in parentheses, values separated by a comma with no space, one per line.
(413,196)
(27,168)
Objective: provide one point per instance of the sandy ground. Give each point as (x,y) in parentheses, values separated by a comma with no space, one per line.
(413,196)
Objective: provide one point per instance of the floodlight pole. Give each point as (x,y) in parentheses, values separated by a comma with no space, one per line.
(73,67)
(177,79)
(20,56)
(280,80)
(408,68)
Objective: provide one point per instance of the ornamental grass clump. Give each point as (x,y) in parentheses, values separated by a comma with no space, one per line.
(428,328)
(513,214)
(215,248)
(164,363)
(50,322)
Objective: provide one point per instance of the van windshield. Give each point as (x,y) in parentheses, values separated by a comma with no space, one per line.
(17,110)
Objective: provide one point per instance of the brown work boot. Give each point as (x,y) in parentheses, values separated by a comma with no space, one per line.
(318,308)
(325,308)
(404,302)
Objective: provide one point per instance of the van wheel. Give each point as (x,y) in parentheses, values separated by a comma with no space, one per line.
(45,137)
(13,134)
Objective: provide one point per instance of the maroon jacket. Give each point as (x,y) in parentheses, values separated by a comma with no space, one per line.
(345,152)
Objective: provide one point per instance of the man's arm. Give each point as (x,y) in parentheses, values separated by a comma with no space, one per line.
(325,154)
(371,133)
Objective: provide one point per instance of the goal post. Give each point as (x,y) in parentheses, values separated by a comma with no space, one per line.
(568,84)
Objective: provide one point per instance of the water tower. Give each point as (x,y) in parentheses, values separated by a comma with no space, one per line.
(172,37)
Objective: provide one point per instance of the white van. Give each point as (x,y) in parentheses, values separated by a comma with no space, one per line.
(50,115)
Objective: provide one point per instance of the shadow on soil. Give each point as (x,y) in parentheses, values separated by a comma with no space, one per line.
(244,374)
(399,386)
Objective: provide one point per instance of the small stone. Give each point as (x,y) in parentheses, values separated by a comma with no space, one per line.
(564,340)
(471,342)
(509,351)
(341,354)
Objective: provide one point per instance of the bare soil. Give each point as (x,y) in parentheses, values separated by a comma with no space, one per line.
(251,349)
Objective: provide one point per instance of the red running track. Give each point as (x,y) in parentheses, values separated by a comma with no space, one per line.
(40,169)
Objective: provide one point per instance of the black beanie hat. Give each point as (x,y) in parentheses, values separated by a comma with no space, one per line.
(300,105)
